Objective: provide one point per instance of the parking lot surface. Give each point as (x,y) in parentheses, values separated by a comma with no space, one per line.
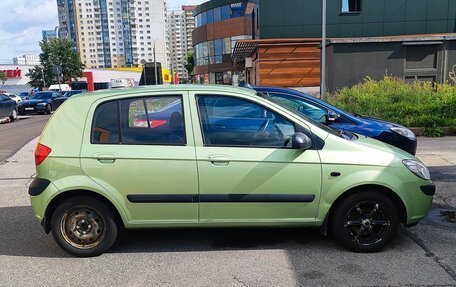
(424,255)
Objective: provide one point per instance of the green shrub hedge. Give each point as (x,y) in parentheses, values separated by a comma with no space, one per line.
(418,104)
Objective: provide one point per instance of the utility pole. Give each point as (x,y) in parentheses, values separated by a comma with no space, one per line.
(155,65)
(41,67)
(323,52)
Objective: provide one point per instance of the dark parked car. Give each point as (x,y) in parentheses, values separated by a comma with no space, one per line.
(8,107)
(321,111)
(72,93)
(42,103)
(24,95)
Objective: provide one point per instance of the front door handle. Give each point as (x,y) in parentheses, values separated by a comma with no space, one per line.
(106,158)
(220,160)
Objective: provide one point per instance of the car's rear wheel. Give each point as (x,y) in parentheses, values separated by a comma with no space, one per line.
(13,115)
(83,226)
(365,221)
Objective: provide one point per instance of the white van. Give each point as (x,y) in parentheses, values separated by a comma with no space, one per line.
(60,88)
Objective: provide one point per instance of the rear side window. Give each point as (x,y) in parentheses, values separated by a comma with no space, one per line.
(105,127)
(154,121)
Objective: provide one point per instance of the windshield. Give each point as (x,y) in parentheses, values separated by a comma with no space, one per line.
(312,121)
(41,96)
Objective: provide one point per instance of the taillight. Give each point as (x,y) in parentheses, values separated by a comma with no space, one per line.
(41,153)
(157,123)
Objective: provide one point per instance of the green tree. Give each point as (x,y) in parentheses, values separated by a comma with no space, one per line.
(2,77)
(190,62)
(56,52)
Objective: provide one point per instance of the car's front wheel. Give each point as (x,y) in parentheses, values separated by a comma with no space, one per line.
(83,226)
(48,110)
(365,221)
(13,115)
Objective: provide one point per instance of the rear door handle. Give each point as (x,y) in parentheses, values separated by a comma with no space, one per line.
(106,158)
(220,160)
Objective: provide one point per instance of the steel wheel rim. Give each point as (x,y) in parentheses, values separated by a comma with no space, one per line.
(82,227)
(366,223)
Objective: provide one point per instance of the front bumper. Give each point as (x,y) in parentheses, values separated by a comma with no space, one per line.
(398,141)
(417,197)
(34,109)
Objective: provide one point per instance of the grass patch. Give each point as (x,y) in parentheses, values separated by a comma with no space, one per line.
(418,104)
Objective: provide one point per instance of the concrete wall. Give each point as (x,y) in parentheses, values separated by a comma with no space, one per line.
(350,63)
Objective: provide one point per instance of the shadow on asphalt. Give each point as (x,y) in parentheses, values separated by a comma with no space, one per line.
(443,173)
(22,235)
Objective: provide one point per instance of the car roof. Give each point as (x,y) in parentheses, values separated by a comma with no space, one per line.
(167,88)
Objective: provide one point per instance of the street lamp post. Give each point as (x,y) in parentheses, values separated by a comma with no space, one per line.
(143,63)
(323,51)
(41,67)
(155,65)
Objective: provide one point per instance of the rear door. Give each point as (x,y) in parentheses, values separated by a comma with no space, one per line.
(57,100)
(246,172)
(142,151)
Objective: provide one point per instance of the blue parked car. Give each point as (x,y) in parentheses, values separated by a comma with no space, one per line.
(323,112)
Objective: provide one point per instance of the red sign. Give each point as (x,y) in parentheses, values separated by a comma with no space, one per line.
(13,73)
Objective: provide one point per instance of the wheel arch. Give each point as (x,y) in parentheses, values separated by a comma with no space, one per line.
(46,222)
(393,196)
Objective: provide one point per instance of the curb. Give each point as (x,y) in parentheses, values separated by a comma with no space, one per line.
(447,131)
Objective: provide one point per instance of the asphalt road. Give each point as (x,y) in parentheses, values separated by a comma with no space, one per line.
(15,135)
(424,255)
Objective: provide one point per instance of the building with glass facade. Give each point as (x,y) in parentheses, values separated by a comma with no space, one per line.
(219,24)
(272,42)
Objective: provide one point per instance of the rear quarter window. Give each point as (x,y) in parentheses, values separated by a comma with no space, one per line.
(105,127)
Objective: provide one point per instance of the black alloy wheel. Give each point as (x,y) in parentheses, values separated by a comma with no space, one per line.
(365,221)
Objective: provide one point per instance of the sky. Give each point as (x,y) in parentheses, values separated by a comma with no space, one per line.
(22,21)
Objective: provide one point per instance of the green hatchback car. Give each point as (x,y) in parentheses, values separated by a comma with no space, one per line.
(215,156)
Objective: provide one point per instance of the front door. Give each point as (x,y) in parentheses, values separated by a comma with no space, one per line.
(142,150)
(246,171)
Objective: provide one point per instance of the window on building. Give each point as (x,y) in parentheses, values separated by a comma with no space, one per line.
(351,6)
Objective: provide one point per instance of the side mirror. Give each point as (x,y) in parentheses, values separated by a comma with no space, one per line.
(300,141)
(332,116)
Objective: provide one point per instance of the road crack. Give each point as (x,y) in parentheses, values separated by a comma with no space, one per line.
(240,281)
(431,254)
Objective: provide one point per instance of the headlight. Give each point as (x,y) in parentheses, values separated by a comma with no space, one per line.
(41,104)
(405,132)
(417,168)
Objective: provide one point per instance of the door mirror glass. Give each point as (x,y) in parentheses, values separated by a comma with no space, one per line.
(300,141)
(331,117)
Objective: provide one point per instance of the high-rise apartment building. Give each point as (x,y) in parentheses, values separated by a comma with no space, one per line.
(115,33)
(181,24)
(50,34)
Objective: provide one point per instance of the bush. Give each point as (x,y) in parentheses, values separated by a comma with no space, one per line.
(418,104)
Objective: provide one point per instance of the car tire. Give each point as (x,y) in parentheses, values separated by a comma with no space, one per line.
(13,115)
(365,221)
(48,110)
(83,226)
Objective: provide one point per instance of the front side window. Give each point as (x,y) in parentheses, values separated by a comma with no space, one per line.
(307,108)
(229,121)
(155,120)
(351,6)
